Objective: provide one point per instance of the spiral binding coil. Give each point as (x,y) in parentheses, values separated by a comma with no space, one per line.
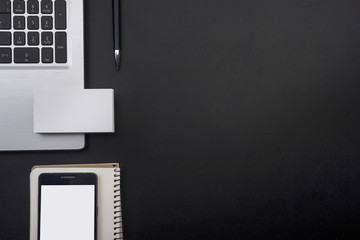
(118,226)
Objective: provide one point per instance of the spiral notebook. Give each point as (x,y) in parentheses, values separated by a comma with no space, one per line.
(109,198)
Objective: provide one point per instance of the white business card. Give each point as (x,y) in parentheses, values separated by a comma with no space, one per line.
(73,111)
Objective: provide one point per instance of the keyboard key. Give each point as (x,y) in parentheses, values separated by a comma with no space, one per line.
(60,14)
(60,47)
(33,23)
(5,38)
(33,6)
(19,6)
(46,7)
(33,38)
(5,55)
(47,38)
(5,6)
(5,21)
(19,38)
(47,55)
(26,55)
(46,23)
(19,22)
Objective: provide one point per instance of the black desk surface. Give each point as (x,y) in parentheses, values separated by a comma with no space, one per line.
(234,120)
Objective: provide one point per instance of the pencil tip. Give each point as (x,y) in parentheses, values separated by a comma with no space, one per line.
(117,59)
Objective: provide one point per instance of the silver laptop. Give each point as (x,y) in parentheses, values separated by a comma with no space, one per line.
(41,47)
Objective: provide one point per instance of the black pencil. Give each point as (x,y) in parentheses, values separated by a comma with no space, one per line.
(116,19)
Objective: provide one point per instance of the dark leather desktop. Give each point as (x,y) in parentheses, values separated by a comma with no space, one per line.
(234,120)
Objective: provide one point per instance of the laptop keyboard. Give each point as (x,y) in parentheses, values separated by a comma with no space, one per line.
(33,32)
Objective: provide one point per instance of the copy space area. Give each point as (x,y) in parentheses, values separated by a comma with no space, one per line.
(67,212)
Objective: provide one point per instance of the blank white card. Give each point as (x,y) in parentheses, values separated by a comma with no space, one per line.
(73,111)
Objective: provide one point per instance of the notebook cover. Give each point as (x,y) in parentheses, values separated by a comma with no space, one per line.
(109,200)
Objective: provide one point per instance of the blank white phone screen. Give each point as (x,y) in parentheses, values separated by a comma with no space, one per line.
(67,212)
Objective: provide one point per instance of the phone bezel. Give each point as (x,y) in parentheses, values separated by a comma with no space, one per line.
(87,178)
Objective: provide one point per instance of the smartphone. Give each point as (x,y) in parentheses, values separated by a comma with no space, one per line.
(67,206)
